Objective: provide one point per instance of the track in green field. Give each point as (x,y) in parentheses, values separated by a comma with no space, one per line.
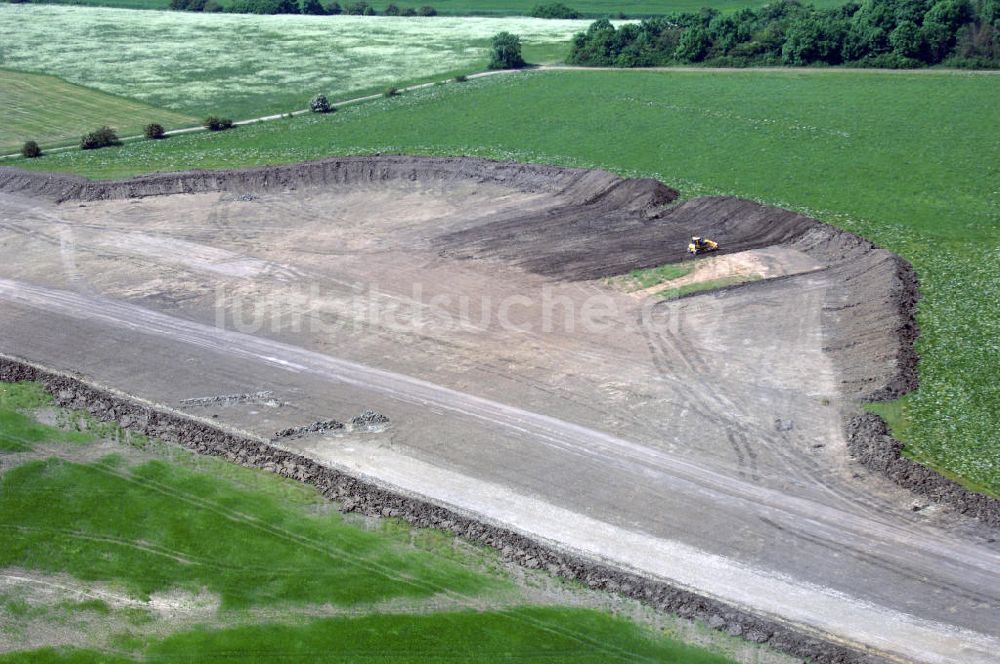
(910,160)
(51,111)
(294,581)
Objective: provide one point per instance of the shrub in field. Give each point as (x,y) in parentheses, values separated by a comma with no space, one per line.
(391,92)
(358,8)
(154,131)
(391,10)
(312,7)
(554,10)
(427,10)
(100,138)
(461,78)
(213,123)
(333,8)
(31,150)
(264,7)
(213,7)
(409,11)
(505,52)
(320,104)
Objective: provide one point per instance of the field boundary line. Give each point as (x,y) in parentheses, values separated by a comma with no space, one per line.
(304,111)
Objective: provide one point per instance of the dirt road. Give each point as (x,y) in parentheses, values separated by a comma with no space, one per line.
(698,440)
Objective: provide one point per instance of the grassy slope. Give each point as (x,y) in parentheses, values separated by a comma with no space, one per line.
(910,160)
(51,111)
(504,7)
(257,540)
(246,66)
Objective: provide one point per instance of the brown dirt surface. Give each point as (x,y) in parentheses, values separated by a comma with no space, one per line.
(697,441)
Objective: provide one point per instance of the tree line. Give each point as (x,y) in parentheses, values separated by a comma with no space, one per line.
(873,33)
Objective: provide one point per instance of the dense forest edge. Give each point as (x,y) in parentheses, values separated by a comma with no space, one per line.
(895,34)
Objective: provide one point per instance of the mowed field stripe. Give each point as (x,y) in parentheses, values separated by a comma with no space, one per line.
(49,110)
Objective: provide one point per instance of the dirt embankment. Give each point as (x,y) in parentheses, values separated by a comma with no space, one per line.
(577,186)
(358,495)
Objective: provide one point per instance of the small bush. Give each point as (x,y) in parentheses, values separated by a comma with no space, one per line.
(409,11)
(154,131)
(100,138)
(358,8)
(505,52)
(213,7)
(391,10)
(31,150)
(554,10)
(391,92)
(320,104)
(427,10)
(333,8)
(311,7)
(213,123)
(461,78)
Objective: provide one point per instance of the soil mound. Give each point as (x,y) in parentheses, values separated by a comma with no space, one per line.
(575,185)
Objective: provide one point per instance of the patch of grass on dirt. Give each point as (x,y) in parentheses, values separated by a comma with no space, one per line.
(53,112)
(838,145)
(895,415)
(23,396)
(653,276)
(18,430)
(702,286)
(88,606)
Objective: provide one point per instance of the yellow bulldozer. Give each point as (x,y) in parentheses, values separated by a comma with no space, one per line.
(701,245)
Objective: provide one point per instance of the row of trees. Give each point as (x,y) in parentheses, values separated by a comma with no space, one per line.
(314,7)
(554,10)
(875,33)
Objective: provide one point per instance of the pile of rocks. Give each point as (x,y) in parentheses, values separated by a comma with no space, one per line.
(370,420)
(315,427)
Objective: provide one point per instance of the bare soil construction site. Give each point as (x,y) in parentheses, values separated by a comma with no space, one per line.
(437,339)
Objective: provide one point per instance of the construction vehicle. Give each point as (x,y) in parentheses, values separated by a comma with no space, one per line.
(700,245)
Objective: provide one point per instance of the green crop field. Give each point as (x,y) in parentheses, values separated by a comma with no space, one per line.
(114,528)
(589,8)
(910,160)
(246,66)
(51,111)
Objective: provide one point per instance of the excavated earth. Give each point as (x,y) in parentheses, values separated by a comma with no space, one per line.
(706,454)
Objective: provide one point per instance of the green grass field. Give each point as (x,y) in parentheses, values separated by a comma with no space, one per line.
(652,276)
(909,160)
(702,286)
(590,8)
(294,581)
(246,66)
(51,111)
